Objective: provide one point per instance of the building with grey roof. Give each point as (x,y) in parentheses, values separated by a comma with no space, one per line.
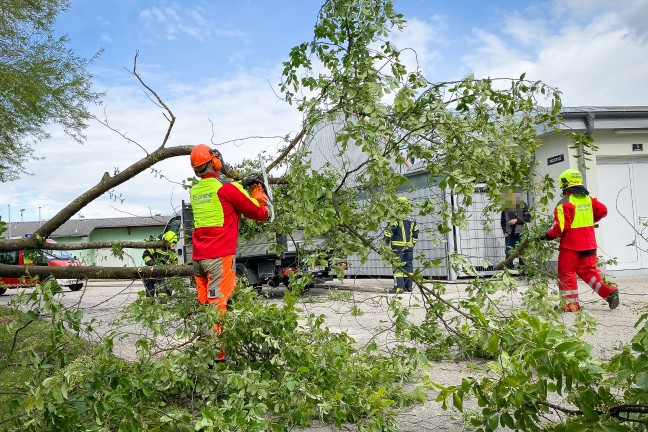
(99,230)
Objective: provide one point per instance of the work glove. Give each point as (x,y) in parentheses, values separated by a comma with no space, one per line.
(254,179)
(259,194)
(545,237)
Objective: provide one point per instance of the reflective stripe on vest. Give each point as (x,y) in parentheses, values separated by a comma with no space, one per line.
(406,233)
(583,215)
(207,208)
(149,257)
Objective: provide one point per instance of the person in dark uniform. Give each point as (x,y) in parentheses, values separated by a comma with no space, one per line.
(402,235)
(160,256)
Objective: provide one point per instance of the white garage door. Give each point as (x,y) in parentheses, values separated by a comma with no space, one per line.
(623,188)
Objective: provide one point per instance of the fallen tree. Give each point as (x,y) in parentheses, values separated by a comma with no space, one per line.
(290,370)
(97,272)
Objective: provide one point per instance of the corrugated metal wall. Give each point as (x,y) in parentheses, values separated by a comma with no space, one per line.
(481,241)
(484,247)
(430,243)
(324,153)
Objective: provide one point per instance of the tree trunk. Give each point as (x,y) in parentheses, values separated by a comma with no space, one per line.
(95,272)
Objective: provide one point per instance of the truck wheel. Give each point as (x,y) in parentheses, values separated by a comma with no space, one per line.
(3,290)
(76,287)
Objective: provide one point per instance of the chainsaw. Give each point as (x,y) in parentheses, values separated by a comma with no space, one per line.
(263,181)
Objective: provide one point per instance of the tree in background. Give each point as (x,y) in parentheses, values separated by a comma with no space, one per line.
(41,82)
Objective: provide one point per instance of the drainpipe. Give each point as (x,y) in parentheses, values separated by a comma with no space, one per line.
(589,123)
(589,129)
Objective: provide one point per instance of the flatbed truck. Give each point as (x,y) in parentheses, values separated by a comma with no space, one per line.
(267,258)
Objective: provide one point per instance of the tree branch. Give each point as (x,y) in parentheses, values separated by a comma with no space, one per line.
(12,245)
(613,411)
(287,150)
(98,272)
(160,101)
(421,286)
(105,184)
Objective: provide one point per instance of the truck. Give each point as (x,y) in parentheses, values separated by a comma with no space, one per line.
(267,258)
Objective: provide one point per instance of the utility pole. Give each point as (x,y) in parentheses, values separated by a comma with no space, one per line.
(9,205)
(21,215)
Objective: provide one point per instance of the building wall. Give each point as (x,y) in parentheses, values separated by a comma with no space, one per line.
(613,145)
(132,257)
(614,140)
(481,241)
(431,244)
(555,145)
(620,174)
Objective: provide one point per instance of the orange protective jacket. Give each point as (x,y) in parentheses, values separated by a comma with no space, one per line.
(217,207)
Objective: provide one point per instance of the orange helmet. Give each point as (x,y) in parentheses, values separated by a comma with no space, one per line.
(201,154)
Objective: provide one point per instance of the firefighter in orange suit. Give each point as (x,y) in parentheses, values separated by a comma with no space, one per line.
(217,206)
(575,216)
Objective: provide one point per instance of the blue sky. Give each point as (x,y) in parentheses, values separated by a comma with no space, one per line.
(216,64)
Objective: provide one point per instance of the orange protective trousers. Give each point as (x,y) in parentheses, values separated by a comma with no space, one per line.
(215,280)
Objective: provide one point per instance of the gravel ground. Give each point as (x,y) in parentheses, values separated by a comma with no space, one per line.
(103,301)
(615,329)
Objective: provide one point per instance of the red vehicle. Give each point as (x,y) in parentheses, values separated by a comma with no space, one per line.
(54,258)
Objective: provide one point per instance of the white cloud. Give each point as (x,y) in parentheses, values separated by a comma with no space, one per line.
(420,37)
(106,38)
(594,51)
(175,22)
(601,61)
(241,107)
(584,9)
(519,29)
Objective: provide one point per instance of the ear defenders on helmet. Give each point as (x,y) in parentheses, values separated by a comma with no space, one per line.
(217,159)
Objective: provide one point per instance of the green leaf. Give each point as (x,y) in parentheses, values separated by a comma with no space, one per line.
(457,401)
(567,346)
(506,420)
(641,380)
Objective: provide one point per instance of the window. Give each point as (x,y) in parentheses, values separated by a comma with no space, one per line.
(58,255)
(9,257)
(174,225)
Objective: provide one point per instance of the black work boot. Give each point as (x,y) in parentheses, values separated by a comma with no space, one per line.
(613,299)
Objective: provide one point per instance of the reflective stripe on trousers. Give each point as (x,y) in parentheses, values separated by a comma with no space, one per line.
(406,256)
(572,264)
